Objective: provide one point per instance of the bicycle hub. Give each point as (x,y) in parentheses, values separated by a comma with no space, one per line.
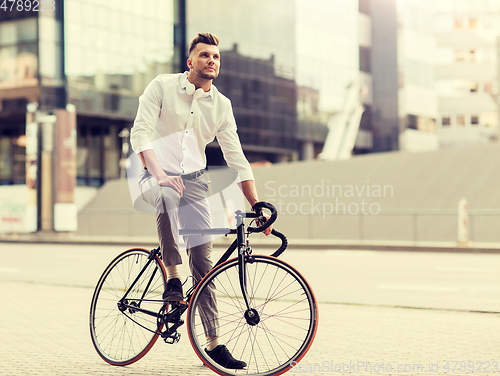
(252,317)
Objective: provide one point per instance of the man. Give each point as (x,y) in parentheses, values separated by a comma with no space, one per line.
(178,115)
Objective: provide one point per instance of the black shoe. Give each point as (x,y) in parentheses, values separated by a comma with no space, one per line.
(173,293)
(223,357)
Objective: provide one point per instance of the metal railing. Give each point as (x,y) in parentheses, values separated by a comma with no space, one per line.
(414,214)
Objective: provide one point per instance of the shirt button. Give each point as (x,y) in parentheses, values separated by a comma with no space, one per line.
(192,112)
(186,131)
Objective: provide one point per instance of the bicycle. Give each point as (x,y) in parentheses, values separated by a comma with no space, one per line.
(267,312)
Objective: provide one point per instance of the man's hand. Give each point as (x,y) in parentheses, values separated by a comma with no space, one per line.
(149,160)
(268,230)
(250,192)
(172,181)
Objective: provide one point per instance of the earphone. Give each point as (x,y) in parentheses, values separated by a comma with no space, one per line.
(190,89)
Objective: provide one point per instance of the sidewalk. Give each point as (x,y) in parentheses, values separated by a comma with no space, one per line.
(45,332)
(260,241)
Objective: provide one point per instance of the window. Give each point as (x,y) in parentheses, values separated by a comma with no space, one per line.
(364,59)
(466,55)
(472,23)
(459,23)
(446,121)
(460,55)
(473,55)
(489,119)
(474,87)
(411,122)
(26,30)
(474,120)
(420,74)
(461,120)
(488,87)
(8,33)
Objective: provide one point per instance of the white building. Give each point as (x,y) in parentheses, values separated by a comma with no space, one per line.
(417,99)
(466,71)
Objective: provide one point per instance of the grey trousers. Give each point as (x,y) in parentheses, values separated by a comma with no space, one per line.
(191,211)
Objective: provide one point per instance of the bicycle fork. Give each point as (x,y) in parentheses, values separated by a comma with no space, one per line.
(251,315)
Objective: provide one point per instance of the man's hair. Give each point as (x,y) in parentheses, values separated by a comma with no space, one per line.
(206,38)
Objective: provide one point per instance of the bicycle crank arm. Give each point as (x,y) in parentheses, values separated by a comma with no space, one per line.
(171,336)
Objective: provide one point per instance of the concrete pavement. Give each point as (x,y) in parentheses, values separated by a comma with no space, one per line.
(45,332)
(46,292)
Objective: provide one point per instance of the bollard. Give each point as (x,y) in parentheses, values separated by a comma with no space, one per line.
(463,221)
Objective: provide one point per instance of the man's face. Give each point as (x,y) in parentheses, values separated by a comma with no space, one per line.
(204,61)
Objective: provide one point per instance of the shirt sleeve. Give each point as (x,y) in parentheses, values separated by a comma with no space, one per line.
(231,147)
(147,116)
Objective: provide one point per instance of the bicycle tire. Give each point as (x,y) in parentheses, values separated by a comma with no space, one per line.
(284,301)
(123,337)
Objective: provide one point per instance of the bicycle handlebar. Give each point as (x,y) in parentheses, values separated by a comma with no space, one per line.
(259,215)
(265,223)
(284,243)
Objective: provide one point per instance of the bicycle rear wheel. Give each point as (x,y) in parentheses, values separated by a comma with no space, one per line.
(121,335)
(285,304)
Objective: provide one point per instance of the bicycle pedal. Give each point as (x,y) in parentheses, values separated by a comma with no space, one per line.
(173,338)
(174,305)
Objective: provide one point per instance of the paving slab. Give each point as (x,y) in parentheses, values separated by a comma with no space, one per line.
(44,330)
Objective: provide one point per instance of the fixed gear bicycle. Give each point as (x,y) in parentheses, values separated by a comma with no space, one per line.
(267,314)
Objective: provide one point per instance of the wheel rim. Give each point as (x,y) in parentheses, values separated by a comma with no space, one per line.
(287,311)
(122,336)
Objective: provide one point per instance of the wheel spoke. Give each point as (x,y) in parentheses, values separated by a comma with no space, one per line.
(124,337)
(285,305)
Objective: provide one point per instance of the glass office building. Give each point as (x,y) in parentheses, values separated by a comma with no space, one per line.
(285,65)
(19,83)
(98,56)
(258,50)
(113,49)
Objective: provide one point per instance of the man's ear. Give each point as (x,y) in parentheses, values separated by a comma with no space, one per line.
(189,63)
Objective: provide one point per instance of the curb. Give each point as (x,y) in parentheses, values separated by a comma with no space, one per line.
(259,242)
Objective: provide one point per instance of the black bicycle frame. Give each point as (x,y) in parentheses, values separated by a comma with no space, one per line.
(238,243)
(151,257)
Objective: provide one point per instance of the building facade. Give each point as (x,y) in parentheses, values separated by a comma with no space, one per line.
(435,73)
(96,56)
(365,138)
(326,66)
(384,67)
(467,71)
(417,99)
(285,66)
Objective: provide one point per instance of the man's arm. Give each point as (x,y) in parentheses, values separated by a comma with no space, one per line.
(250,192)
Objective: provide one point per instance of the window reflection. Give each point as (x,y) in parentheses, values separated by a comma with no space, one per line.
(18,54)
(112,54)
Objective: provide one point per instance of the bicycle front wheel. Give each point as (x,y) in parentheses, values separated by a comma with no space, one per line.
(122,335)
(286,309)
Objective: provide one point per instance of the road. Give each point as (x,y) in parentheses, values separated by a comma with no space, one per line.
(46,291)
(462,281)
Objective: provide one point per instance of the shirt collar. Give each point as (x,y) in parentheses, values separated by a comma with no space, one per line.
(184,83)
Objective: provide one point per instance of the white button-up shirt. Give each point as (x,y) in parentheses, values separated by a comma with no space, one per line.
(178,123)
